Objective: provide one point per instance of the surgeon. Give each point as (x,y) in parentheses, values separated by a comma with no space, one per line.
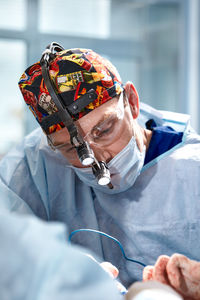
(122,176)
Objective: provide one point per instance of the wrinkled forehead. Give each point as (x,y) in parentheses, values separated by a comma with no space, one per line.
(87,122)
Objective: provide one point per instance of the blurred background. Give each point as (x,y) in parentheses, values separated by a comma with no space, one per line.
(153,43)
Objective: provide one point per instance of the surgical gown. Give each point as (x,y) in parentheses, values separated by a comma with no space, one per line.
(159,214)
(37,263)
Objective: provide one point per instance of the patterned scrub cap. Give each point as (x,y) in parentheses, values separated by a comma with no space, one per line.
(74,72)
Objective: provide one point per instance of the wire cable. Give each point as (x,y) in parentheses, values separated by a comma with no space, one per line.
(108,236)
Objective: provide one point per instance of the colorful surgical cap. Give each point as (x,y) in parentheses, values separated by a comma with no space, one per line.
(74,72)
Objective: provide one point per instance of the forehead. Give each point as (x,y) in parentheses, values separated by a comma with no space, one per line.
(90,120)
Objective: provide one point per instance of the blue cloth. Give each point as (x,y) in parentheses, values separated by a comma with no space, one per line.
(163,139)
(155,216)
(37,263)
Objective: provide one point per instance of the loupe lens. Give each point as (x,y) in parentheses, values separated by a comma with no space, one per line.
(85,154)
(101,172)
(87,160)
(104,180)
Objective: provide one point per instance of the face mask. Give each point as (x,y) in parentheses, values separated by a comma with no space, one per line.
(124,168)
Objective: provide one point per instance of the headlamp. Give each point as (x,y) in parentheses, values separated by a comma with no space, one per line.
(101,172)
(84,152)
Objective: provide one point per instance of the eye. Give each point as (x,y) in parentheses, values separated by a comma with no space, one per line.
(99,133)
(103,130)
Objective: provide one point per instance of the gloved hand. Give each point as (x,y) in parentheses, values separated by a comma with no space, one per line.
(113,272)
(151,290)
(179,272)
(108,267)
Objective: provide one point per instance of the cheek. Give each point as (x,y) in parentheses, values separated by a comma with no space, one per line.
(122,142)
(108,153)
(123,137)
(126,133)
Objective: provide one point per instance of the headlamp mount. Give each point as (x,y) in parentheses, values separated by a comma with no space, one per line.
(84,152)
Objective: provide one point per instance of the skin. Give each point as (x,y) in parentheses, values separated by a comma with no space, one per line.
(129,126)
(107,266)
(177,271)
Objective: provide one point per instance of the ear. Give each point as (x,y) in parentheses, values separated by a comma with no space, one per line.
(133,98)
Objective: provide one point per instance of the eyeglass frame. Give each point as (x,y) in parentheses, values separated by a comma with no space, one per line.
(58,147)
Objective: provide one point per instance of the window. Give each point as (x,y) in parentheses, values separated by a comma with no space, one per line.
(86,18)
(13,14)
(13,58)
(153,43)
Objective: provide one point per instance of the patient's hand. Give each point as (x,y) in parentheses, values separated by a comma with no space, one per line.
(179,272)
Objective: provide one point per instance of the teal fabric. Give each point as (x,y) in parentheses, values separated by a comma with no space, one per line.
(159,214)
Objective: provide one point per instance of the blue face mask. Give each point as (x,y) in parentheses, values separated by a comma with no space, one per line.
(124,168)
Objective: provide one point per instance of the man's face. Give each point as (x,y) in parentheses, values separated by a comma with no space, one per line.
(107,129)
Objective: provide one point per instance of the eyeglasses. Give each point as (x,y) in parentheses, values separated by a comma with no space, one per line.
(105,132)
(109,128)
